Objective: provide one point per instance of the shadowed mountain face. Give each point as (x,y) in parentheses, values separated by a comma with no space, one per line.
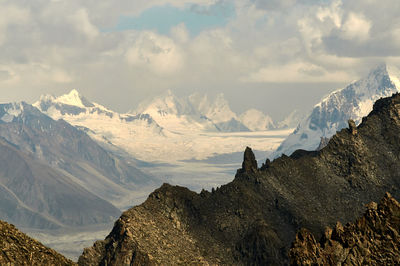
(373,239)
(36,196)
(253,219)
(53,175)
(72,152)
(19,249)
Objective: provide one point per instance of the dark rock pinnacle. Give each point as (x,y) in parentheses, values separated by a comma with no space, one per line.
(352,127)
(249,164)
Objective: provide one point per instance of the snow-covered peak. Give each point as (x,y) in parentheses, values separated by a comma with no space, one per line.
(165,105)
(200,102)
(256,120)
(73,98)
(331,114)
(72,103)
(291,120)
(219,110)
(193,113)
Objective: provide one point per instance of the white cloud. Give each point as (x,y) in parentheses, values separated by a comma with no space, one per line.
(81,21)
(180,33)
(332,13)
(356,27)
(46,45)
(274,4)
(11,15)
(158,53)
(296,72)
(60,76)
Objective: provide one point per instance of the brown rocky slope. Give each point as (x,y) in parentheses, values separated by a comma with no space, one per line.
(254,219)
(19,249)
(373,239)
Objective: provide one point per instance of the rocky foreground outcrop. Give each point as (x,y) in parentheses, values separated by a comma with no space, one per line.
(254,219)
(373,239)
(19,249)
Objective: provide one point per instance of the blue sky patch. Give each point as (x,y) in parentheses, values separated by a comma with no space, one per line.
(162,18)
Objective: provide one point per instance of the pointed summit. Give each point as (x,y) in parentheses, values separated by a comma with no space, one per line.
(74,93)
(332,113)
(166,104)
(380,68)
(72,103)
(219,110)
(249,164)
(74,98)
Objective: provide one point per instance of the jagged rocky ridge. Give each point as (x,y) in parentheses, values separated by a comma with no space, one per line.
(253,219)
(373,239)
(19,249)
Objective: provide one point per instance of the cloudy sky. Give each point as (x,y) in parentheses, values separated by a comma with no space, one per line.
(275,55)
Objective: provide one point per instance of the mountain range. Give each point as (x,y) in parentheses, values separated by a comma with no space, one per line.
(186,125)
(331,114)
(181,122)
(254,219)
(67,162)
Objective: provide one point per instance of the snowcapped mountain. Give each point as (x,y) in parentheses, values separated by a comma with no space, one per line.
(256,120)
(176,114)
(138,134)
(291,120)
(192,127)
(100,123)
(219,112)
(330,115)
(192,114)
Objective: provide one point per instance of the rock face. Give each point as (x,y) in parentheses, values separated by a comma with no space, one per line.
(373,239)
(19,249)
(254,219)
(34,195)
(249,161)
